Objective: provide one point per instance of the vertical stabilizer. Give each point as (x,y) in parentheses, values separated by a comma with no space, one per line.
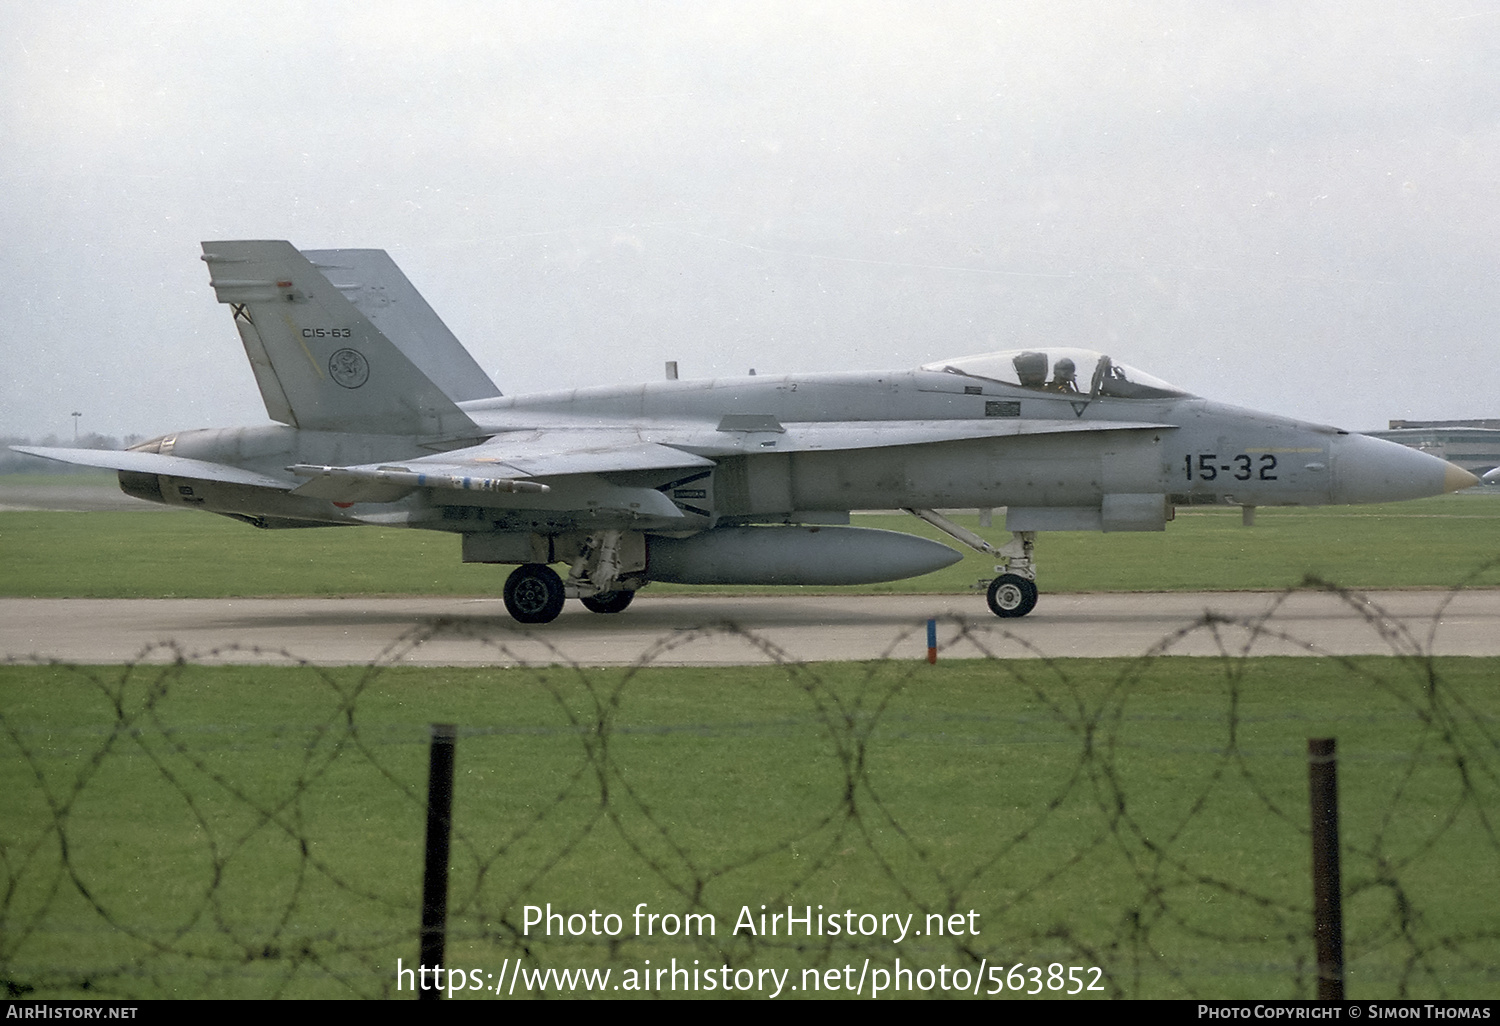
(370,280)
(321,364)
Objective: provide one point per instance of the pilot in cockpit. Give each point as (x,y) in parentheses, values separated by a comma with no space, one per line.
(1064,377)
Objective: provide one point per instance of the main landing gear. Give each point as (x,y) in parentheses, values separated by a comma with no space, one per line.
(1013,592)
(606,561)
(603,576)
(607,601)
(534,593)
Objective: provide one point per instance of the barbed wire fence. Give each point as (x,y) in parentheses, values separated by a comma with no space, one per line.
(196,831)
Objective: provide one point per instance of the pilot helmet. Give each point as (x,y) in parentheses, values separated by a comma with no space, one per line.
(1031,368)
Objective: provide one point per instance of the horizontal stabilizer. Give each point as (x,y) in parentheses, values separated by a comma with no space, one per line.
(155,463)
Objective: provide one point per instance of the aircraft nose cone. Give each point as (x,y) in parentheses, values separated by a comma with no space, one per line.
(1369,469)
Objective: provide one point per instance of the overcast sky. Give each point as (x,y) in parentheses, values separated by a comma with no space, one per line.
(1286,205)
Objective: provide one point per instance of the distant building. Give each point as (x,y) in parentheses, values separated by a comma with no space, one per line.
(1471,444)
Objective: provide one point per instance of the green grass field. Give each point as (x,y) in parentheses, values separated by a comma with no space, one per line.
(226,832)
(1431,543)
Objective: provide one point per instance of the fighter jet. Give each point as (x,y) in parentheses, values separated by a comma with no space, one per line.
(382,417)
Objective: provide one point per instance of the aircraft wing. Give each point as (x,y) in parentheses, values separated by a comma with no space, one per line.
(155,463)
(560,451)
(556,452)
(511,463)
(532,461)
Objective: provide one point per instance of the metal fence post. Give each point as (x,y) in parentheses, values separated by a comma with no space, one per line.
(435,864)
(1328,912)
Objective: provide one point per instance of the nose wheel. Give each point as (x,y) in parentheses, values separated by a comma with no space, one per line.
(1011,595)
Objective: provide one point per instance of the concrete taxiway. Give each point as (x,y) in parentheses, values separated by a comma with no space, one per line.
(722,630)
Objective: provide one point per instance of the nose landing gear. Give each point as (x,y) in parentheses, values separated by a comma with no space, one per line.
(1013,592)
(1011,595)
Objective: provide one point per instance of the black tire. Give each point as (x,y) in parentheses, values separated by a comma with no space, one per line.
(1011,595)
(607,601)
(534,593)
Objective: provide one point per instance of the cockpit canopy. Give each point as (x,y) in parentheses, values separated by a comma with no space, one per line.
(1065,371)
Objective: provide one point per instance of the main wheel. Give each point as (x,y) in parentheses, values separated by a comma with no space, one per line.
(1012,595)
(607,601)
(534,593)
